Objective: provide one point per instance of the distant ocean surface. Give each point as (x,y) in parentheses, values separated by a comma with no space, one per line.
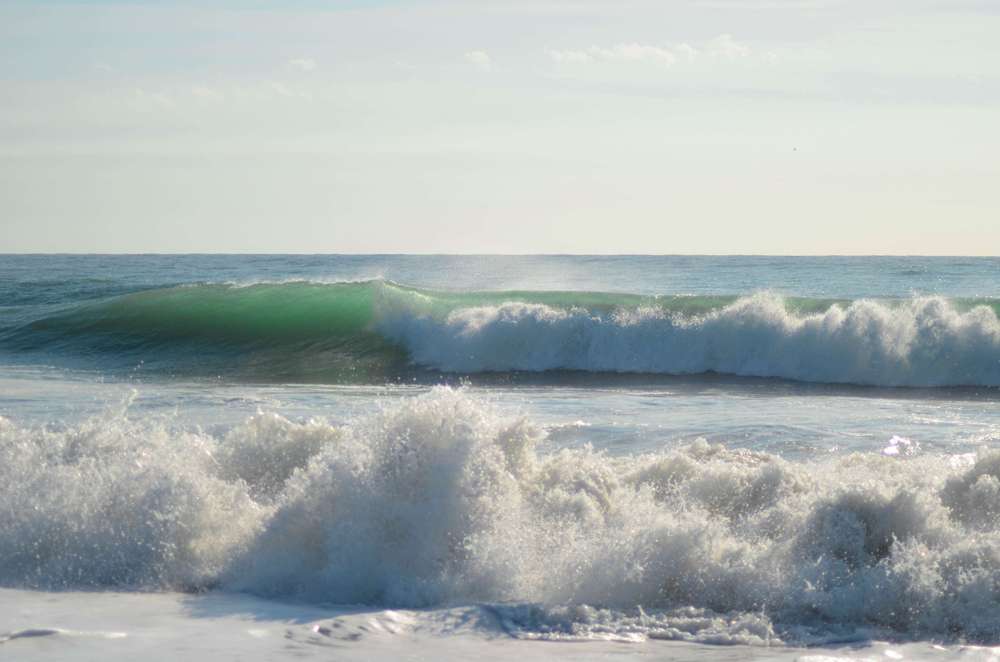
(772,452)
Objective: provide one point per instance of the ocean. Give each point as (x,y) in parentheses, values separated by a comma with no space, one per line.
(441,457)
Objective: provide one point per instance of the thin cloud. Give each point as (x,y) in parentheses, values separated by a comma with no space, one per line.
(304,64)
(280,90)
(686,51)
(206,93)
(724,46)
(766,4)
(479,59)
(571,57)
(620,53)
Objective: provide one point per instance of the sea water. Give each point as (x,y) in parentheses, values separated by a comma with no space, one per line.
(472,455)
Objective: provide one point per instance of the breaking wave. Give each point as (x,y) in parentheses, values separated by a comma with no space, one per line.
(438,500)
(377,330)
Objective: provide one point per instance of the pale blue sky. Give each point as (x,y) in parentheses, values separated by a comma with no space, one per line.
(701,126)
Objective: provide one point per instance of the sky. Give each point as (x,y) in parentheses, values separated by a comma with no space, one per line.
(517,126)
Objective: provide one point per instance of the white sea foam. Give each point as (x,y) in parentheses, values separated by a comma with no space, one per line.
(919,342)
(439,500)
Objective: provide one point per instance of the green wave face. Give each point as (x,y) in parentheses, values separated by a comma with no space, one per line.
(257,314)
(264,331)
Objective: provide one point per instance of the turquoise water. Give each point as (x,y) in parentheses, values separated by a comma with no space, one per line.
(764,449)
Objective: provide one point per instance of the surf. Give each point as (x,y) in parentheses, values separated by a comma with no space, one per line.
(372,331)
(439,500)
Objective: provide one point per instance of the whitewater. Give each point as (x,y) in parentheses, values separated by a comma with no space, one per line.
(258,457)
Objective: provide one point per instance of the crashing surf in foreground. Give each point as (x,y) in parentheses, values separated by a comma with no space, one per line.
(438,502)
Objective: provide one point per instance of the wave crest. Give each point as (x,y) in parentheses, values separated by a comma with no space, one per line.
(375,331)
(920,342)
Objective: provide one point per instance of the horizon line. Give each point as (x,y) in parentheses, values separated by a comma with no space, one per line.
(479,254)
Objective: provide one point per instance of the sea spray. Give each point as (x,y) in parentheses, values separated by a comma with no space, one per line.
(440,500)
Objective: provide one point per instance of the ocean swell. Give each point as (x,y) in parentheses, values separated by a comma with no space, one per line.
(376,331)
(439,500)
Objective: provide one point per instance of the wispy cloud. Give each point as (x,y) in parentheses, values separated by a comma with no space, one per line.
(479,59)
(723,46)
(146,100)
(633,52)
(303,64)
(749,5)
(282,90)
(206,93)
